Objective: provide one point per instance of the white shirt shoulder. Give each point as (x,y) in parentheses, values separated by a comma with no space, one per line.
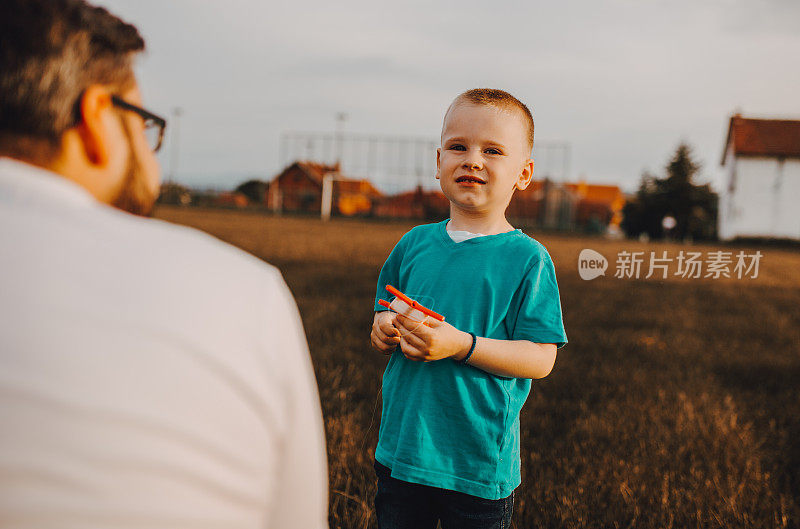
(148,372)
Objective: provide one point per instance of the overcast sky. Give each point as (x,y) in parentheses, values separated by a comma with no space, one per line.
(622,81)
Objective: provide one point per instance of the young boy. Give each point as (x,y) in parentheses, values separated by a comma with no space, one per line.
(448,445)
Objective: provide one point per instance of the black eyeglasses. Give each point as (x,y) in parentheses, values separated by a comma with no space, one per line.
(153,125)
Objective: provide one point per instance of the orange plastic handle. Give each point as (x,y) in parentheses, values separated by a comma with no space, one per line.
(396,293)
(412,303)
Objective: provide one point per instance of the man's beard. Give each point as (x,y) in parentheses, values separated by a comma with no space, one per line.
(133,195)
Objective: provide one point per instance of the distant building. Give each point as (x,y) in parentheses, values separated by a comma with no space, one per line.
(544,203)
(354,197)
(598,203)
(762,167)
(416,204)
(569,205)
(299,188)
(228,199)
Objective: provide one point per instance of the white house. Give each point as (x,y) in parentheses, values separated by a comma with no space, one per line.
(762,168)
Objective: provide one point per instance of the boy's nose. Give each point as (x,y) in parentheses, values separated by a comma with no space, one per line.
(472,165)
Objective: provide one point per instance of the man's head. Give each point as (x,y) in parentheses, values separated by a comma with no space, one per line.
(487,137)
(61,64)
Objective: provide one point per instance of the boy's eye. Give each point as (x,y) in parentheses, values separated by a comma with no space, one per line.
(457,147)
(492,150)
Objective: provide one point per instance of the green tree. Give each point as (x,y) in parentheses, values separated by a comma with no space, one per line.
(678,189)
(254,190)
(694,207)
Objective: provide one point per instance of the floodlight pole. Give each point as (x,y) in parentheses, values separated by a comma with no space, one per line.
(327,179)
(173,161)
(341,117)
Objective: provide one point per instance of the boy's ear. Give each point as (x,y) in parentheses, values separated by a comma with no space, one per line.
(438,160)
(525,177)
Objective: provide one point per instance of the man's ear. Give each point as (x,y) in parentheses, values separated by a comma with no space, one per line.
(525,177)
(94,104)
(438,161)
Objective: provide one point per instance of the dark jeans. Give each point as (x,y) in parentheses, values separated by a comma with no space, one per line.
(400,505)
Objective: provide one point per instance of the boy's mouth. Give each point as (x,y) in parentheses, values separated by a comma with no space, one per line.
(469,179)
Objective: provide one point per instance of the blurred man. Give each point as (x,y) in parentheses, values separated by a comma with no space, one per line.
(150,375)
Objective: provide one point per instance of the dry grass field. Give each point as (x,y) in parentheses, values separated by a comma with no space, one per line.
(675,404)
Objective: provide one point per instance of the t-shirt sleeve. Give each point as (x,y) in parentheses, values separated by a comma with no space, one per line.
(535,312)
(390,273)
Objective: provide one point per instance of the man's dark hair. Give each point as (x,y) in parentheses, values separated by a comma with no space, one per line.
(50,52)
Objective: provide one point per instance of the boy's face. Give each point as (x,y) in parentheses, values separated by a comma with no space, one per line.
(484,157)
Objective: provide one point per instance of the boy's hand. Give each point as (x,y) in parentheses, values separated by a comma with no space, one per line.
(385,337)
(433,340)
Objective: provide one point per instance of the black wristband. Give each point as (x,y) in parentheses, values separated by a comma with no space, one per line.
(471,349)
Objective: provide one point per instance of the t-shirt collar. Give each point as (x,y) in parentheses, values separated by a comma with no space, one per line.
(23,182)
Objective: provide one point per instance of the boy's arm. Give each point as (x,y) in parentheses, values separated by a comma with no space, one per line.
(508,358)
(511,358)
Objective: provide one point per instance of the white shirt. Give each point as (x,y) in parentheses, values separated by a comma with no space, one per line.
(461,235)
(150,375)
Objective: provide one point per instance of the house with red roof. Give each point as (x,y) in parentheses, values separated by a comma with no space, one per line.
(761,159)
(299,188)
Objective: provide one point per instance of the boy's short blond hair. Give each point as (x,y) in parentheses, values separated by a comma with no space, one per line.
(500,99)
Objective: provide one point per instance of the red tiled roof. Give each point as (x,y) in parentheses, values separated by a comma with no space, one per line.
(763,137)
(316,171)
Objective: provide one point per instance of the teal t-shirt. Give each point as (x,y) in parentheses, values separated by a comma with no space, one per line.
(449,425)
